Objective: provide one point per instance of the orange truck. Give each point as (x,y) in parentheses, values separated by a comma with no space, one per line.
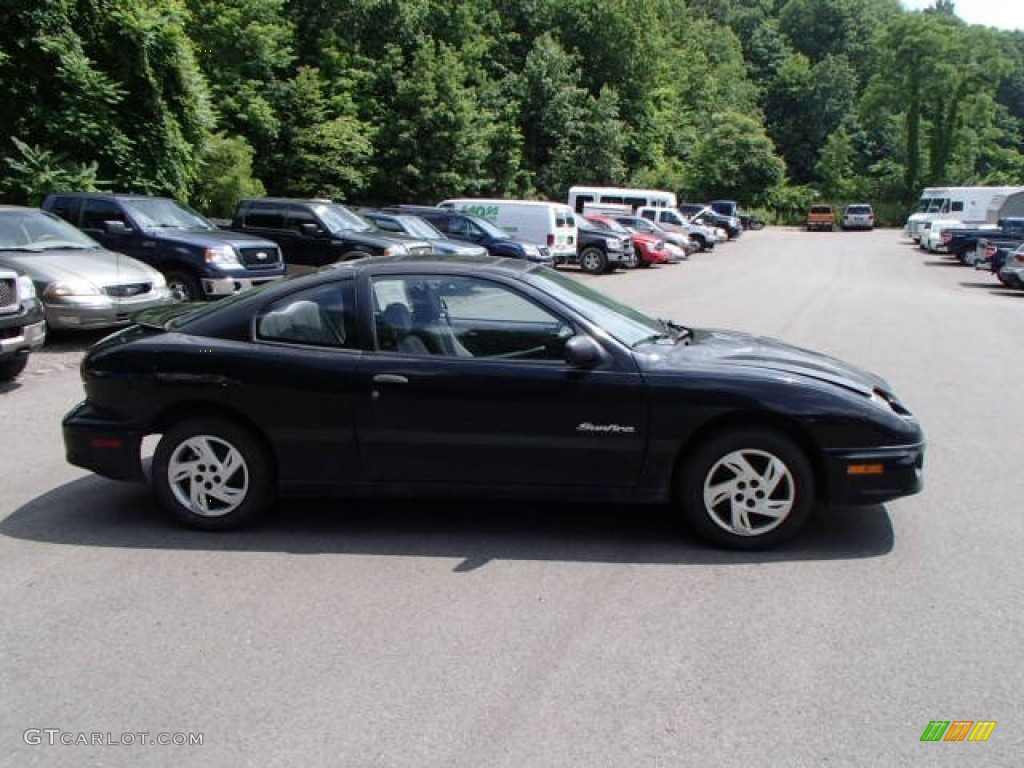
(821,217)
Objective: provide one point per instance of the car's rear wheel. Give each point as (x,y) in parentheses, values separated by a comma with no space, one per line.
(184,286)
(593,261)
(212,474)
(749,488)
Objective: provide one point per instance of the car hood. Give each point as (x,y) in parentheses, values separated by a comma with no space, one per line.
(98,266)
(731,348)
(206,238)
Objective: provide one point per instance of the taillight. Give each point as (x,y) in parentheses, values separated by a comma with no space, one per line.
(990,251)
(946,236)
(551,239)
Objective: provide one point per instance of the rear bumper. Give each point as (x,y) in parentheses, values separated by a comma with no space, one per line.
(875,475)
(95,441)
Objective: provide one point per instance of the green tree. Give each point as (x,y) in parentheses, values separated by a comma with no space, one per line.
(225,176)
(736,160)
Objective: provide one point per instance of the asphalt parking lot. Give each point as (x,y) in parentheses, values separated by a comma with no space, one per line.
(501,634)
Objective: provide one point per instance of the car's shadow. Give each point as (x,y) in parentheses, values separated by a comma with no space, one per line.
(944,263)
(95,512)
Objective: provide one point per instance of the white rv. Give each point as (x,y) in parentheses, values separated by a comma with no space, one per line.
(551,225)
(967,204)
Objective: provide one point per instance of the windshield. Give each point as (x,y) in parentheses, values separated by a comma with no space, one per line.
(489,229)
(936,205)
(338,218)
(162,213)
(609,224)
(421,228)
(623,323)
(31,230)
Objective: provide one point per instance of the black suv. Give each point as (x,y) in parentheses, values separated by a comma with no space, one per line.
(469,228)
(315,232)
(199,260)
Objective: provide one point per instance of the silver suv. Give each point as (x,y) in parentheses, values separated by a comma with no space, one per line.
(858,216)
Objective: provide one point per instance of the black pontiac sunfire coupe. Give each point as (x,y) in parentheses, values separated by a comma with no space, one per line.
(478,376)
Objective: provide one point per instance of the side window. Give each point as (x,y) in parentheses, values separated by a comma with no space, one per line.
(297,217)
(95,214)
(323,316)
(457,226)
(957,206)
(265,216)
(66,208)
(648,215)
(461,316)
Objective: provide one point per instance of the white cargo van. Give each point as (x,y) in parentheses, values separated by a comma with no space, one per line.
(551,225)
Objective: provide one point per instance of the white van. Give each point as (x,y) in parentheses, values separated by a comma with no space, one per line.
(551,225)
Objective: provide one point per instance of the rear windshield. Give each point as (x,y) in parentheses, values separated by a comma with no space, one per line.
(821,209)
(859,209)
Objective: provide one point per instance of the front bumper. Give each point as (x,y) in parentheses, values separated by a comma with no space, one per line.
(109,447)
(229,286)
(21,338)
(875,475)
(83,312)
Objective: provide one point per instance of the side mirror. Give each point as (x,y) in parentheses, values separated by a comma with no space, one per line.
(115,227)
(583,352)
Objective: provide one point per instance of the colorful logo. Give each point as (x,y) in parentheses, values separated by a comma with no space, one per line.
(958,730)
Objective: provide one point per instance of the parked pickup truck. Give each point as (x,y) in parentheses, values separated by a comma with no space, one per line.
(199,260)
(821,218)
(22,325)
(963,243)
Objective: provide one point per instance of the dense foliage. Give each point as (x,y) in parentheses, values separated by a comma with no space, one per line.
(771,102)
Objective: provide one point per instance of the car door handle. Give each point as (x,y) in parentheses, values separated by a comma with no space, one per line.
(390,378)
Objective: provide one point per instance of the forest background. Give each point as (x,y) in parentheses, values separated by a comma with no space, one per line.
(775,103)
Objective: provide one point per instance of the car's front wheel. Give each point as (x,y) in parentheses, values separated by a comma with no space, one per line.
(212,474)
(593,261)
(184,286)
(749,488)
(11,368)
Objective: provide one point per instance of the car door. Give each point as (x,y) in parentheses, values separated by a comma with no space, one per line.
(302,383)
(506,410)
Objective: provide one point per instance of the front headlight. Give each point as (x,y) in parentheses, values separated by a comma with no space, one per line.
(396,250)
(224,255)
(63,289)
(158,280)
(26,288)
(531,250)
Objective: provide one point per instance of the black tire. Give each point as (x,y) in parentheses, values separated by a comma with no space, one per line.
(250,474)
(740,462)
(702,242)
(593,261)
(11,369)
(184,285)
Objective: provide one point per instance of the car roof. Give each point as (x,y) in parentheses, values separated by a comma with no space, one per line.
(112,195)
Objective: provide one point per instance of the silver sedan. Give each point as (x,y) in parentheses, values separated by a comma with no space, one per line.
(81,284)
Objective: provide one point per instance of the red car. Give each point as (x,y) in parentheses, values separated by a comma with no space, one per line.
(648,249)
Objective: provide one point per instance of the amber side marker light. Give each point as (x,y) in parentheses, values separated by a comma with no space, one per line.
(865,469)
